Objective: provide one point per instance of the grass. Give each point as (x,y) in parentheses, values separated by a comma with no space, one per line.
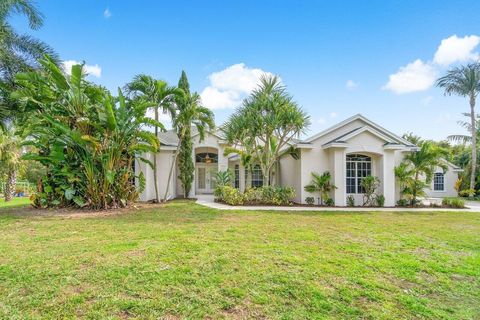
(188,261)
(15,202)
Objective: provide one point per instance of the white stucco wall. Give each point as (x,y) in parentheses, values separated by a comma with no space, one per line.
(289,175)
(450,177)
(164,162)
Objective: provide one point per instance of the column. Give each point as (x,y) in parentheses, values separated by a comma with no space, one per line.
(389,177)
(338,175)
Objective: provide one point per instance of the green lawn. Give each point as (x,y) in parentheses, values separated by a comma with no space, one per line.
(188,261)
(15,202)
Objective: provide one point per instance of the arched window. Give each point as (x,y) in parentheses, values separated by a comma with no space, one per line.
(358,167)
(206,157)
(439,181)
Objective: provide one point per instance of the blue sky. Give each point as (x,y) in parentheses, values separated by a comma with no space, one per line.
(335,57)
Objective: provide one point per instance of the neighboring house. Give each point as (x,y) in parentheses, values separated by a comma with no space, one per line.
(350,150)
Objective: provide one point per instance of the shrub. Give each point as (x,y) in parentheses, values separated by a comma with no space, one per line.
(276,195)
(350,201)
(402,203)
(467,193)
(370,185)
(380,200)
(310,200)
(453,203)
(252,195)
(329,202)
(230,195)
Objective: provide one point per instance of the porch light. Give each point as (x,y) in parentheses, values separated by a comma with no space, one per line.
(207,158)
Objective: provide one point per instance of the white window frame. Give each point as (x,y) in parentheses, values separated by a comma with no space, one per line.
(357,166)
(437,183)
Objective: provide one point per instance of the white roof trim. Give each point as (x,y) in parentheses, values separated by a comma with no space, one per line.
(359,117)
(363,129)
(335,145)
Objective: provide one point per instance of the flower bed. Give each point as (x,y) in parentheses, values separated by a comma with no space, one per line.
(277,196)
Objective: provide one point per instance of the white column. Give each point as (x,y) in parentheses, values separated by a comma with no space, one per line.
(338,175)
(241,173)
(389,177)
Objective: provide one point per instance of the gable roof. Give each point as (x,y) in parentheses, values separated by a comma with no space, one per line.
(372,127)
(170,138)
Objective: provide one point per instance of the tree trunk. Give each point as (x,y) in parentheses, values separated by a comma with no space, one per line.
(155,172)
(474,142)
(10,185)
(414,190)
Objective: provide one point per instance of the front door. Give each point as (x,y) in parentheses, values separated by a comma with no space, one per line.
(206,178)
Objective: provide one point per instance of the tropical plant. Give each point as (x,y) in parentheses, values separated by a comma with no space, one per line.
(189,113)
(453,203)
(266,123)
(246,159)
(416,171)
(370,185)
(465,81)
(223,178)
(463,138)
(310,200)
(159,96)
(186,166)
(412,138)
(10,161)
(20,52)
(320,183)
(380,200)
(350,201)
(87,139)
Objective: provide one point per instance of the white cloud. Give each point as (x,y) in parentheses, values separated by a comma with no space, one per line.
(107,14)
(415,76)
(455,49)
(420,76)
(333,114)
(228,87)
(351,85)
(427,100)
(93,70)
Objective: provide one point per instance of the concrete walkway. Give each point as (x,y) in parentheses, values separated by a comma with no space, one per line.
(208,201)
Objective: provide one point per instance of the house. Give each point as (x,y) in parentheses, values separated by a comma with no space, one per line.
(352,149)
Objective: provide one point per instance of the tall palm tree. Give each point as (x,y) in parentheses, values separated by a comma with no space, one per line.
(9,160)
(161,97)
(465,81)
(190,112)
(20,52)
(463,138)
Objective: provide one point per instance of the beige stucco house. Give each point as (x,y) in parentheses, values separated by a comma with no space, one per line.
(352,149)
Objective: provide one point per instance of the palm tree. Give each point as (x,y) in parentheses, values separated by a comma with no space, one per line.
(160,96)
(9,160)
(463,138)
(20,52)
(417,165)
(189,112)
(320,183)
(465,81)
(267,121)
